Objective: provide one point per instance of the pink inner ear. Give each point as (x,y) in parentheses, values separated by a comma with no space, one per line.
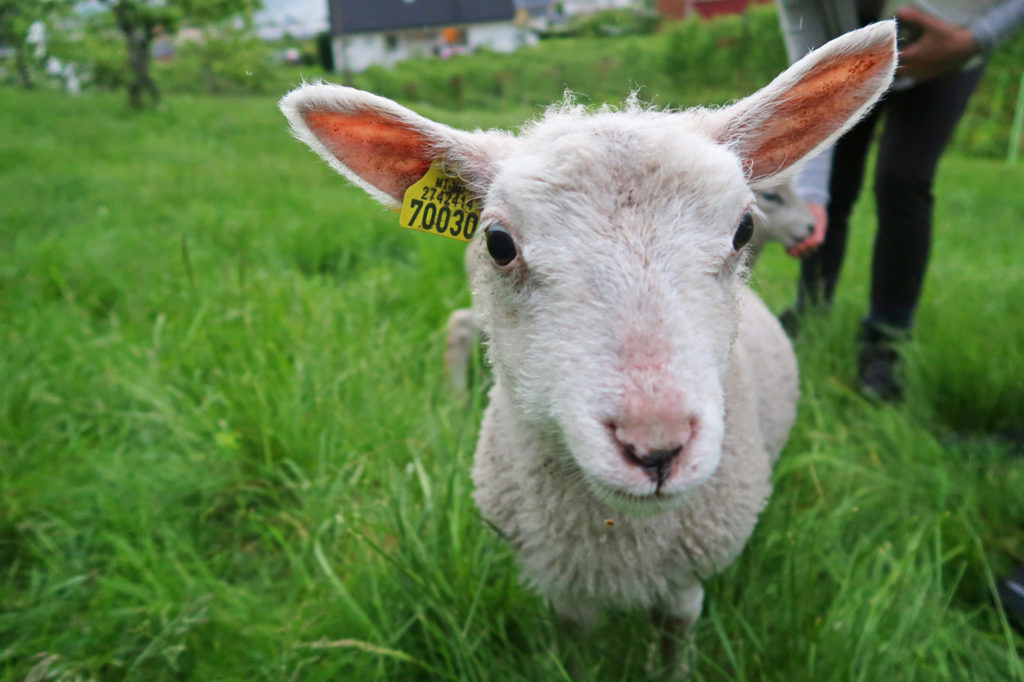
(379,149)
(815,107)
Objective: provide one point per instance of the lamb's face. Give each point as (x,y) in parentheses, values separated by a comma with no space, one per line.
(613,322)
(787,219)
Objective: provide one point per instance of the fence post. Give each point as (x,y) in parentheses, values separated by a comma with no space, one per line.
(1018,126)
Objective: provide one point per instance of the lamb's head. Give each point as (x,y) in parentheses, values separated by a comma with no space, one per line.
(612,253)
(787,218)
(611,249)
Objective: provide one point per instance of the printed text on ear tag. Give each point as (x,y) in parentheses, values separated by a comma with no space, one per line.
(440,204)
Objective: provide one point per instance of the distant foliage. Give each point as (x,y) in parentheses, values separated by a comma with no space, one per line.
(745,50)
(226,61)
(102,55)
(985,130)
(686,62)
(601,69)
(610,55)
(616,22)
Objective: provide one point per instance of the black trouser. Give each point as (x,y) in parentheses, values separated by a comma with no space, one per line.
(919,122)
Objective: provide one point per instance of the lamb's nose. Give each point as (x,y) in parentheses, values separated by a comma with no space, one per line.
(654,447)
(652,429)
(657,464)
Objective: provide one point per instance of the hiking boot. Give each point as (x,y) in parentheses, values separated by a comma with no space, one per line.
(790,321)
(878,364)
(814,294)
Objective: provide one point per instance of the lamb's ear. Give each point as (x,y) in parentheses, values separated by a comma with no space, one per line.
(810,104)
(382,146)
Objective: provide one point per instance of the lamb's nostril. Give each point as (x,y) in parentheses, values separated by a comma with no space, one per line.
(657,464)
(810,229)
(659,458)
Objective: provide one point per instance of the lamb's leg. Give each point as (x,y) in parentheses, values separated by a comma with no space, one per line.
(461,332)
(674,623)
(578,618)
(576,614)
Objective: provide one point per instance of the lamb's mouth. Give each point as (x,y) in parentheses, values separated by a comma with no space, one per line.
(654,502)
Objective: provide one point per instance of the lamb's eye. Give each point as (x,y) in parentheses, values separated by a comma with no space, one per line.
(500,244)
(744,231)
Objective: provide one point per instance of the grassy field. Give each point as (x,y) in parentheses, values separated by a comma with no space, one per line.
(227,452)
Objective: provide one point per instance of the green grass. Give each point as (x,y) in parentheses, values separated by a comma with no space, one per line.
(227,451)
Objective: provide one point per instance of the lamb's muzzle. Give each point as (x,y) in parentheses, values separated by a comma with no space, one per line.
(654,434)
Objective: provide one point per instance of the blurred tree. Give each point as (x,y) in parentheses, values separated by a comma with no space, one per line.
(16,20)
(141,20)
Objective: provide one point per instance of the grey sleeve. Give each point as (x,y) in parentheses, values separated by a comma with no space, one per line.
(807,24)
(998,24)
(803,27)
(812,180)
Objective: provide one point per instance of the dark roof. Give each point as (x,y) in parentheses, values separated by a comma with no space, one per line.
(364,16)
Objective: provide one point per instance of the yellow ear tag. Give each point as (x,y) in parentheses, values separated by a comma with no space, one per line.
(439,204)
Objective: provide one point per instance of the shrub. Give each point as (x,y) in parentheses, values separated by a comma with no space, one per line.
(225,62)
(985,129)
(616,22)
(743,50)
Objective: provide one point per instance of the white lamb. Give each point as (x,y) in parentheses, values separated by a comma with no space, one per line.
(642,391)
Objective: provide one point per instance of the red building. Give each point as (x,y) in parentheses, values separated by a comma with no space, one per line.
(678,9)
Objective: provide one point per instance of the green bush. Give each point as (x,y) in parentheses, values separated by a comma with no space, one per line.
(601,69)
(226,62)
(743,50)
(99,52)
(616,22)
(985,129)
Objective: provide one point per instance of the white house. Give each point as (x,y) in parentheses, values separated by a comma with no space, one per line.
(570,7)
(367,32)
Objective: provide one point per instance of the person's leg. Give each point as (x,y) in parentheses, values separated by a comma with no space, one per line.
(919,123)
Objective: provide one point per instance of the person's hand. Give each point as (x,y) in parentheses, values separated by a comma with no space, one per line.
(811,244)
(941,48)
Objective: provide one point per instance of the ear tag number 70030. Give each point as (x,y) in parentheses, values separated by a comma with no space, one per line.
(439,204)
